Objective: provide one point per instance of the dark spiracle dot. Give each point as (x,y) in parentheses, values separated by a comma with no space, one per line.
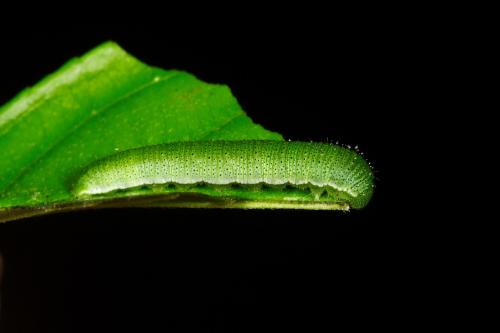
(324,194)
(171,186)
(265,187)
(235,186)
(289,187)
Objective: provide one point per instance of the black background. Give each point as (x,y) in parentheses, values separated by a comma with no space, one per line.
(219,270)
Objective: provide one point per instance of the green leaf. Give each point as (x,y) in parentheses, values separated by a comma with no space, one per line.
(101,103)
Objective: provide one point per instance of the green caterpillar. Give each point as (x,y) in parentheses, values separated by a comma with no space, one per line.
(280,171)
